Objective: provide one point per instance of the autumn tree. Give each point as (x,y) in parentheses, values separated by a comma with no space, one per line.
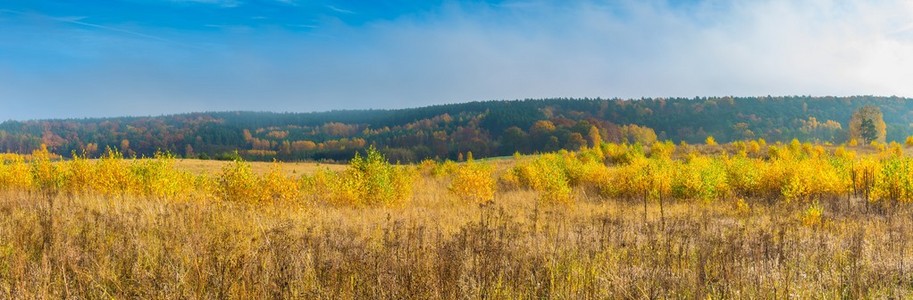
(867,125)
(595,139)
(639,134)
(541,136)
(575,141)
(710,141)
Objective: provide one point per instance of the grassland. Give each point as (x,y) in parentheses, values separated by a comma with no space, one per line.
(439,245)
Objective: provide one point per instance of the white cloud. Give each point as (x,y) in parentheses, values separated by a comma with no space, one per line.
(340,10)
(630,49)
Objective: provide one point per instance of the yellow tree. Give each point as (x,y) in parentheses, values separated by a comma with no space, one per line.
(867,125)
(639,134)
(662,150)
(595,139)
(710,141)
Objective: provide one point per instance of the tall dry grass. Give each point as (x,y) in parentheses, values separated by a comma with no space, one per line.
(442,247)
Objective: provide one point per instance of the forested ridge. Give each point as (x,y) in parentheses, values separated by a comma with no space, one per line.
(488,128)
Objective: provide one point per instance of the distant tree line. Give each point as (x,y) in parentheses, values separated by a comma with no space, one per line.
(489,128)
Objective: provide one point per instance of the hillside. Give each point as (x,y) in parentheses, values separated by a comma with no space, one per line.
(490,128)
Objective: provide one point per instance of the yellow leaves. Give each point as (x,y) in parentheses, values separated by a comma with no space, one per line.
(796,188)
(46,176)
(701,178)
(78,176)
(662,149)
(618,153)
(710,141)
(893,179)
(238,183)
(794,172)
(113,177)
(893,149)
(158,178)
(843,153)
(445,168)
(555,187)
(812,216)
(372,181)
(744,175)
(473,182)
(807,179)
(877,146)
(277,187)
(14,173)
(509,180)
(754,147)
(630,180)
(549,175)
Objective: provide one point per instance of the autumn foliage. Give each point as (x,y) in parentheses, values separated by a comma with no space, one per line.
(368,181)
(793,173)
(473,181)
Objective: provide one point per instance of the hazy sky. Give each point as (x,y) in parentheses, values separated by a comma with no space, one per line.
(65,58)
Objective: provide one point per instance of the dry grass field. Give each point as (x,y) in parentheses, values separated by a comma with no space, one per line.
(439,247)
(445,240)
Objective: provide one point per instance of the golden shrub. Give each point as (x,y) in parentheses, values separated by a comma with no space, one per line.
(277,187)
(113,176)
(46,176)
(158,178)
(812,216)
(15,173)
(549,175)
(510,181)
(238,183)
(662,149)
(78,176)
(473,182)
(446,168)
(701,178)
(371,180)
(877,146)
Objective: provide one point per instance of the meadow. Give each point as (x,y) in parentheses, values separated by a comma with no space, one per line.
(740,220)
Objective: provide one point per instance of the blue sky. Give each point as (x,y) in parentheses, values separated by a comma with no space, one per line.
(73,59)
